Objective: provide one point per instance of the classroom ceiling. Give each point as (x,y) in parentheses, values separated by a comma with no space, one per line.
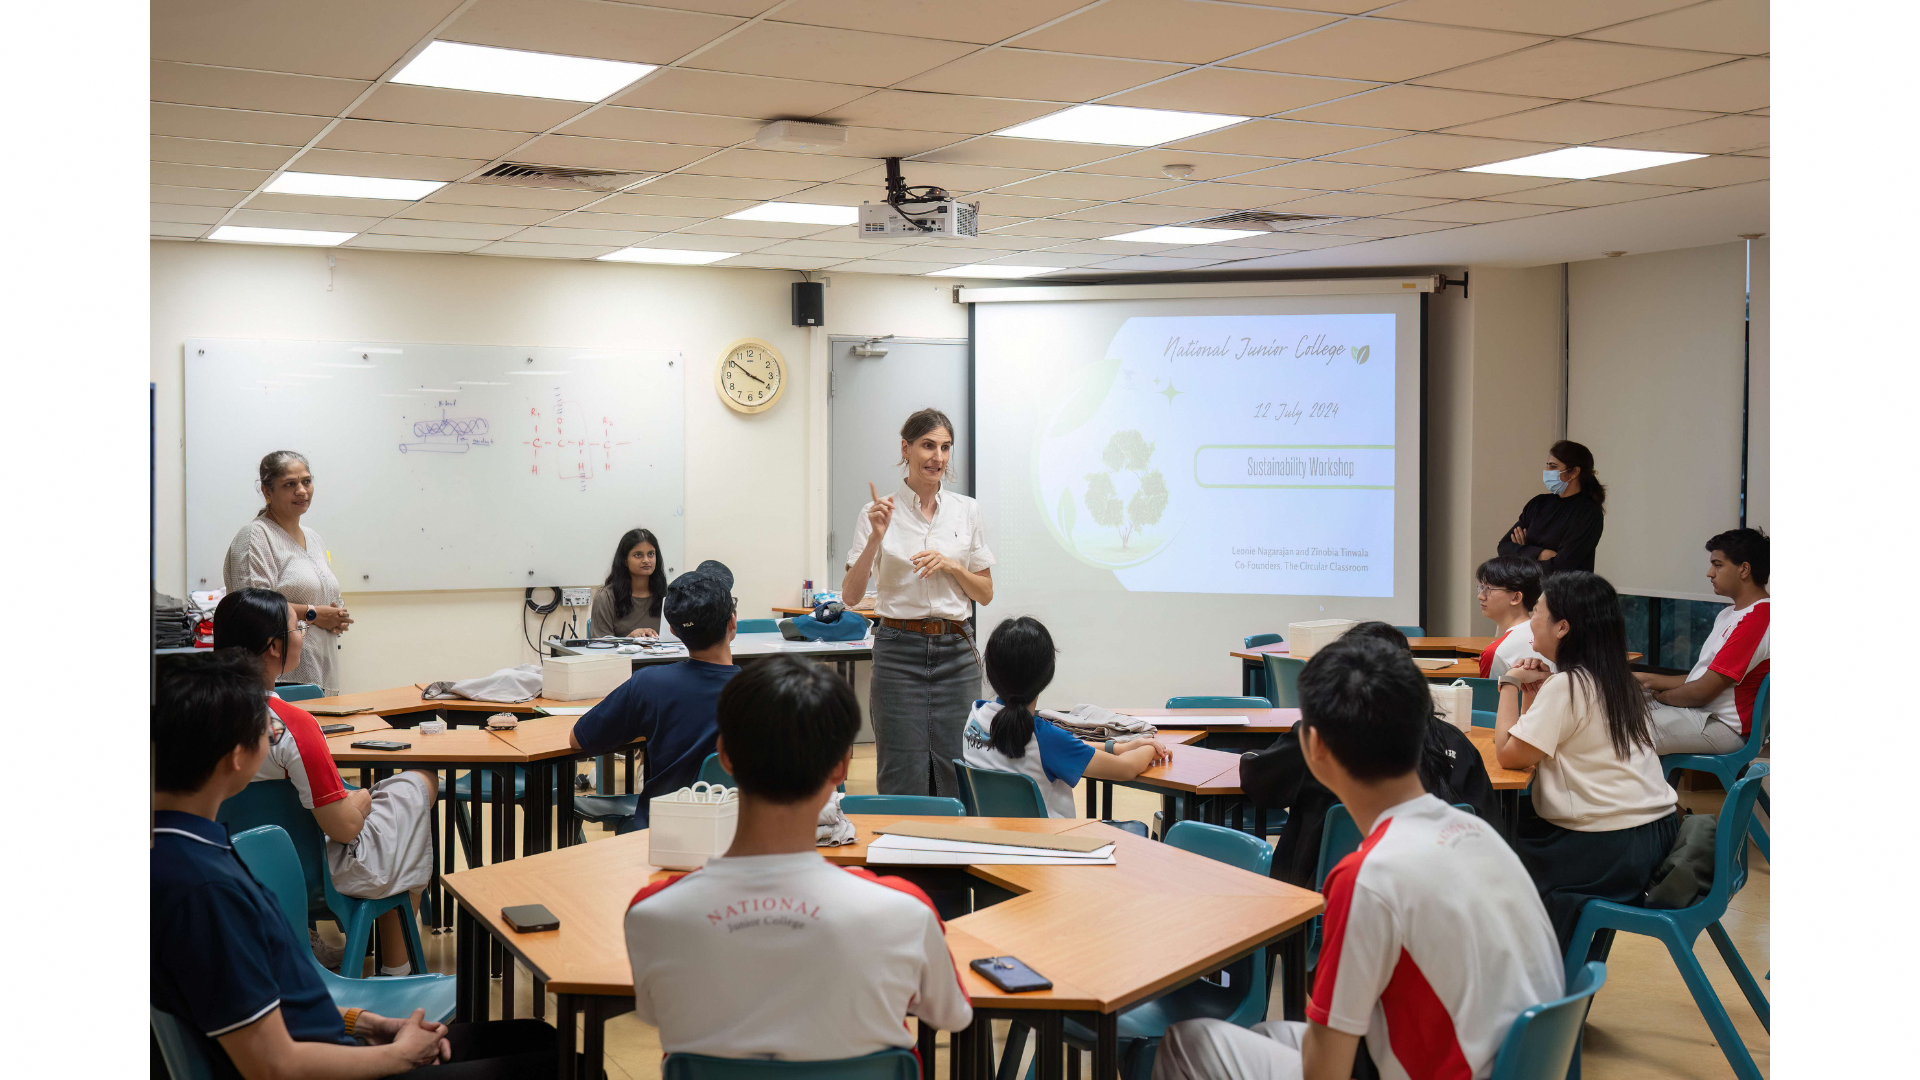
(1359,110)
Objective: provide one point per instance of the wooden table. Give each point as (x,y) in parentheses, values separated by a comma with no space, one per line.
(1061,922)
(400,700)
(359,722)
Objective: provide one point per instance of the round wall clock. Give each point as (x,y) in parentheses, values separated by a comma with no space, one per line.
(751,376)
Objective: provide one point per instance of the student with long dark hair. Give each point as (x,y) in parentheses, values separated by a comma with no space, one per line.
(1602,814)
(1561,528)
(628,605)
(1006,736)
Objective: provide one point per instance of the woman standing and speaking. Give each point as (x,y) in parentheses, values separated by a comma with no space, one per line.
(1562,528)
(274,551)
(927,556)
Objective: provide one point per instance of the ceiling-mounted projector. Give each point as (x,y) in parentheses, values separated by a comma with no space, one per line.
(800,135)
(931,214)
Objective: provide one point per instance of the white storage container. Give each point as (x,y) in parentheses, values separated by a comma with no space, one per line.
(571,678)
(1454,703)
(1306,638)
(692,825)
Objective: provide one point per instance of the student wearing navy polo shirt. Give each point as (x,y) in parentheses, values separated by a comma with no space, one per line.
(672,706)
(225,961)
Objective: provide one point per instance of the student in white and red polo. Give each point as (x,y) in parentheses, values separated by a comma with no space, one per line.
(1711,710)
(769,951)
(1509,585)
(1435,938)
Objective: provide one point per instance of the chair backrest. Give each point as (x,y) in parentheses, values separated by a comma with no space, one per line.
(923,805)
(1541,1042)
(298,691)
(1254,641)
(1216,701)
(1485,718)
(275,802)
(1000,794)
(714,773)
(757,626)
(269,856)
(1230,846)
(1283,681)
(1486,693)
(1730,836)
(1762,711)
(1339,837)
(886,1065)
(180,1047)
(1412,631)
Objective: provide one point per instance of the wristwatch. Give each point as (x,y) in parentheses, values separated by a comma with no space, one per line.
(312,613)
(1110,746)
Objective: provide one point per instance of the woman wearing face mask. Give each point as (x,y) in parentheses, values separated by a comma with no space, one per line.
(1562,528)
(275,551)
(927,556)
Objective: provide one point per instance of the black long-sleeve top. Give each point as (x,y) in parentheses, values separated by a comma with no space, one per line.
(1569,527)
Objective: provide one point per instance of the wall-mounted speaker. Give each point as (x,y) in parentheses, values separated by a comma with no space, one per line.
(809,303)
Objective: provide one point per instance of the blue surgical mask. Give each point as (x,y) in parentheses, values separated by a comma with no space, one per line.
(1555,485)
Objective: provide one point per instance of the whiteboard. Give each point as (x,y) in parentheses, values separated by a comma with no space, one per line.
(441,466)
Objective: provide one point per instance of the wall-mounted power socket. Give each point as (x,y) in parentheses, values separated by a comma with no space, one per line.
(576,597)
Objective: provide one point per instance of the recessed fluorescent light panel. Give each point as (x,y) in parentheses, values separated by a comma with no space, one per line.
(1181,234)
(1582,162)
(454,66)
(352,187)
(306,237)
(1117,125)
(992,271)
(800,213)
(666,255)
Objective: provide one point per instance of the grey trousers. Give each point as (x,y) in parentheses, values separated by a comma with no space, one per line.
(1217,1050)
(1690,731)
(923,687)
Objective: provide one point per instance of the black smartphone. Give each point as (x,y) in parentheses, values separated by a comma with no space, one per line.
(527,918)
(1010,974)
(379,744)
(335,729)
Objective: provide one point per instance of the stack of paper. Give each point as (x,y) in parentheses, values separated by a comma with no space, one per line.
(930,844)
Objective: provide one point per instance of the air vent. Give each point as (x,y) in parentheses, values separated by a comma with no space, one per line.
(1261,219)
(517,174)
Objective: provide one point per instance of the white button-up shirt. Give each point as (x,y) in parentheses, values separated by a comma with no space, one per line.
(954,531)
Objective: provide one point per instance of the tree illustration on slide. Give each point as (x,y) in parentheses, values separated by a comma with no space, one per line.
(1127,452)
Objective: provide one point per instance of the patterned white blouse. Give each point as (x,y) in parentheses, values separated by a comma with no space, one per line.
(264,556)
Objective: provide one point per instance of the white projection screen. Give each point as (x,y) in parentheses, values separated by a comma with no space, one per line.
(1164,470)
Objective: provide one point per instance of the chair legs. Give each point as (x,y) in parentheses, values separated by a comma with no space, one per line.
(1741,974)
(358,929)
(1708,1002)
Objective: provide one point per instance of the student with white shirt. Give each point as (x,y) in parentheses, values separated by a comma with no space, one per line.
(924,550)
(1602,814)
(1711,710)
(1434,939)
(1005,735)
(1509,587)
(770,951)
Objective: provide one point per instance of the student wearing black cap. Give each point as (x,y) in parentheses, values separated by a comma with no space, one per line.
(673,706)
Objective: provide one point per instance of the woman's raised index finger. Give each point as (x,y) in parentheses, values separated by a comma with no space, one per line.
(871,490)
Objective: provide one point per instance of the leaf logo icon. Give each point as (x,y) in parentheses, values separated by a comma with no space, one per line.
(1361,352)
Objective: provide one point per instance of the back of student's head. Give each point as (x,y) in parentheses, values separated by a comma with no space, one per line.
(1364,698)
(699,605)
(249,619)
(1595,650)
(1747,546)
(1379,631)
(786,722)
(1019,666)
(1514,574)
(203,707)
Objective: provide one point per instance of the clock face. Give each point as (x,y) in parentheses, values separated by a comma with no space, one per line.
(751,375)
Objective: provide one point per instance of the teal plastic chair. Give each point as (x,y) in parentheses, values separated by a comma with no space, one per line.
(1486,692)
(923,805)
(602,809)
(885,1065)
(1254,641)
(1543,1040)
(1205,701)
(275,803)
(992,793)
(1283,681)
(757,626)
(713,772)
(1412,631)
(1257,677)
(1678,929)
(182,1048)
(1727,767)
(1483,718)
(298,691)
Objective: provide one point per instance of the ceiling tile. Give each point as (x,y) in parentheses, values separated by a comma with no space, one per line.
(982,22)
(1701,172)
(1737,87)
(645,35)
(989,222)
(548,235)
(784,50)
(963,179)
(1054,230)
(1226,196)
(721,187)
(689,242)
(268,219)
(502,195)
(1183,31)
(1578,122)
(1053,258)
(669,207)
(752,96)
(847,234)
(546,251)
(1554,17)
(1237,93)
(349,39)
(397,166)
(1462,185)
(1426,151)
(1357,204)
(655,125)
(1471,212)
(464,109)
(1020,206)
(1286,139)
(199,215)
(1214,253)
(1761,151)
(610,154)
(1382,50)
(203,176)
(842,194)
(823,248)
(177,229)
(194,196)
(1292,241)
(777,262)
(1417,108)
(1050,76)
(1572,69)
(1587,193)
(770,230)
(956,255)
(387,137)
(746,9)
(1341,7)
(324,204)
(1151,263)
(234,125)
(518,216)
(937,112)
(1378,227)
(869,142)
(632,223)
(1150,163)
(903,269)
(1721,135)
(1088,186)
(1021,153)
(413,243)
(1327,175)
(772,165)
(1141,214)
(233,155)
(1728,26)
(1113,247)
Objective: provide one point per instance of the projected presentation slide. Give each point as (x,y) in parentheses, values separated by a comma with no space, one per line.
(1228,454)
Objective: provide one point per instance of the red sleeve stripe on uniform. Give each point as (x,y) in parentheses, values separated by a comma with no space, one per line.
(1419,1028)
(1333,929)
(1747,692)
(1736,656)
(651,888)
(1486,657)
(323,778)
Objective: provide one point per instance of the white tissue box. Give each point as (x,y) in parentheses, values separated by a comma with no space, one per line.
(1454,703)
(571,678)
(692,825)
(1306,638)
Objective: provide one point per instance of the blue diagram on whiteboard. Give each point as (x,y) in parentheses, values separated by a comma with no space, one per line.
(448,434)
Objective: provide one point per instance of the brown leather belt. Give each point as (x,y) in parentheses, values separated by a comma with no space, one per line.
(926,626)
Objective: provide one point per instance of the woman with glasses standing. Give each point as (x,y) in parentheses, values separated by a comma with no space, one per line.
(275,551)
(927,556)
(1561,529)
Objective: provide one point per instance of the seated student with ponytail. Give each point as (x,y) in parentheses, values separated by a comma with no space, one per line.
(1006,736)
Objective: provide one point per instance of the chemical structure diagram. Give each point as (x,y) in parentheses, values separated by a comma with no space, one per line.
(571,444)
(448,434)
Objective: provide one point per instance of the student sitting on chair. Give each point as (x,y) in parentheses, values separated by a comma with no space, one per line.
(770,951)
(1434,938)
(1711,710)
(1509,586)
(225,961)
(672,705)
(1005,735)
(381,840)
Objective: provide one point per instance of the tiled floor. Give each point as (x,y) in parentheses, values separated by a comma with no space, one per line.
(1644,1025)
